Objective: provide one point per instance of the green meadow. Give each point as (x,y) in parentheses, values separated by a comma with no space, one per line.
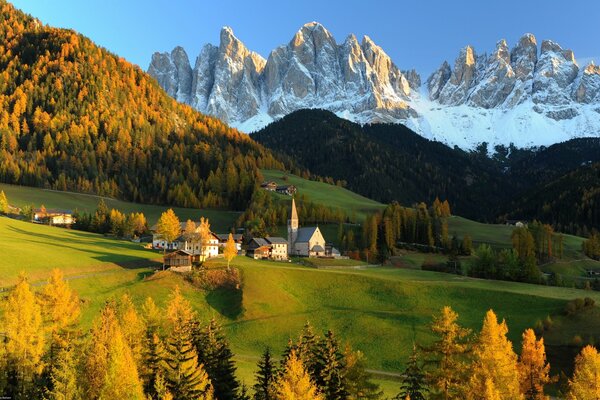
(22,196)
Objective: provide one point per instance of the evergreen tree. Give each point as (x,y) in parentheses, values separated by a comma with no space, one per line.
(214,352)
(585,384)
(331,380)
(413,379)
(446,357)
(185,376)
(23,344)
(266,376)
(358,380)
(64,382)
(295,383)
(495,360)
(533,368)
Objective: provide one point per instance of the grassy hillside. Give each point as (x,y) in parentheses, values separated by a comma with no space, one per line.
(22,195)
(323,193)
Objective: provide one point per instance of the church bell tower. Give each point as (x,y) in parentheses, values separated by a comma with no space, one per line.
(292,228)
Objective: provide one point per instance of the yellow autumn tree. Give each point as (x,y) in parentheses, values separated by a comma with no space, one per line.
(64,377)
(24,339)
(133,329)
(168,227)
(494,360)
(3,203)
(534,371)
(294,383)
(491,393)
(110,369)
(189,231)
(230,250)
(61,309)
(204,237)
(585,384)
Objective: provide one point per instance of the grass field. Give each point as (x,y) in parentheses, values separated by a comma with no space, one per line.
(22,195)
(323,193)
(380,311)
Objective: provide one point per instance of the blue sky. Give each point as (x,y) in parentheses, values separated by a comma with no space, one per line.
(416,34)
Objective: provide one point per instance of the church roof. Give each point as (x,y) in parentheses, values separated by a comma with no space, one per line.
(304,234)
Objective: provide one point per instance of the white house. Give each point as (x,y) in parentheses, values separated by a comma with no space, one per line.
(53,216)
(211,249)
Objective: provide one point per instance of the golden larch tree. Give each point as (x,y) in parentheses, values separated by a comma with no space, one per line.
(585,384)
(204,237)
(24,338)
(133,329)
(534,371)
(61,309)
(491,393)
(230,250)
(64,377)
(294,383)
(110,369)
(495,360)
(168,228)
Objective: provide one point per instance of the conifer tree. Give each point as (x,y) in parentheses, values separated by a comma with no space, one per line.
(413,379)
(64,377)
(3,203)
(307,349)
(153,346)
(185,376)
(266,376)
(585,384)
(133,329)
(533,368)
(295,383)
(23,344)
(446,357)
(491,393)
(358,380)
(230,250)
(110,368)
(495,360)
(331,380)
(214,352)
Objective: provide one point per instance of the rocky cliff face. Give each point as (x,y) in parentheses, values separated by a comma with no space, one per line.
(523,95)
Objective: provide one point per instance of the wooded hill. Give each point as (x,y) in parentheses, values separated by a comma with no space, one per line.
(388,162)
(75,117)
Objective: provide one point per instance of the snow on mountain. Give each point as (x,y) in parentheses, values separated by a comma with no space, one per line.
(517,95)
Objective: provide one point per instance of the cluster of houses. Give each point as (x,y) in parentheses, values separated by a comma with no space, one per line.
(271,186)
(53,216)
(301,242)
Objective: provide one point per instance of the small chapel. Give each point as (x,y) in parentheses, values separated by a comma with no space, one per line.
(304,242)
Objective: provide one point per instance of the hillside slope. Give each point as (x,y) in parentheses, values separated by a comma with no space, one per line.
(75,117)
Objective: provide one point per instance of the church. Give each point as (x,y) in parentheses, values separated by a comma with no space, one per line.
(304,242)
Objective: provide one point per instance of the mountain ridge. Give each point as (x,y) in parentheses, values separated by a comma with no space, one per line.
(528,95)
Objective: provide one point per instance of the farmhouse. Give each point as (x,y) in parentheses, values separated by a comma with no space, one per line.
(237,238)
(270,186)
(211,249)
(306,242)
(53,216)
(289,190)
(179,261)
(272,248)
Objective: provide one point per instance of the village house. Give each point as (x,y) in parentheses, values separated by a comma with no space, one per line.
(211,249)
(289,190)
(237,238)
(270,186)
(279,248)
(53,216)
(179,261)
(271,248)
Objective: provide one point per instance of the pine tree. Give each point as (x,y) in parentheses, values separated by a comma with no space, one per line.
(533,368)
(446,357)
(413,379)
(64,381)
(214,352)
(307,349)
(295,383)
(585,384)
(358,380)
(3,203)
(494,359)
(110,368)
(331,380)
(24,340)
(185,376)
(230,250)
(153,346)
(266,376)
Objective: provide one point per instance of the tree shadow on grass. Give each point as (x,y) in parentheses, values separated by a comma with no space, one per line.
(228,302)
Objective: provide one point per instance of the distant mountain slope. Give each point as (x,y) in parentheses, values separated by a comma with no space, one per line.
(390,162)
(385,161)
(75,117)
(529,94)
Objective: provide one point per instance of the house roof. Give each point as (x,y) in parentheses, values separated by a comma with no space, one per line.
(54,211)
(304,234)
(317,248)
(260,241)
(178,252)
(276,239)
(225,237)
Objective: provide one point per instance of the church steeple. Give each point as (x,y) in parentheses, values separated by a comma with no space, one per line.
(292,228)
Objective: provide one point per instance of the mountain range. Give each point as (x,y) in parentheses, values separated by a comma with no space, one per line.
(528,95)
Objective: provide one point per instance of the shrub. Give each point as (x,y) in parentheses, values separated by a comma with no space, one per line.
(212,279)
